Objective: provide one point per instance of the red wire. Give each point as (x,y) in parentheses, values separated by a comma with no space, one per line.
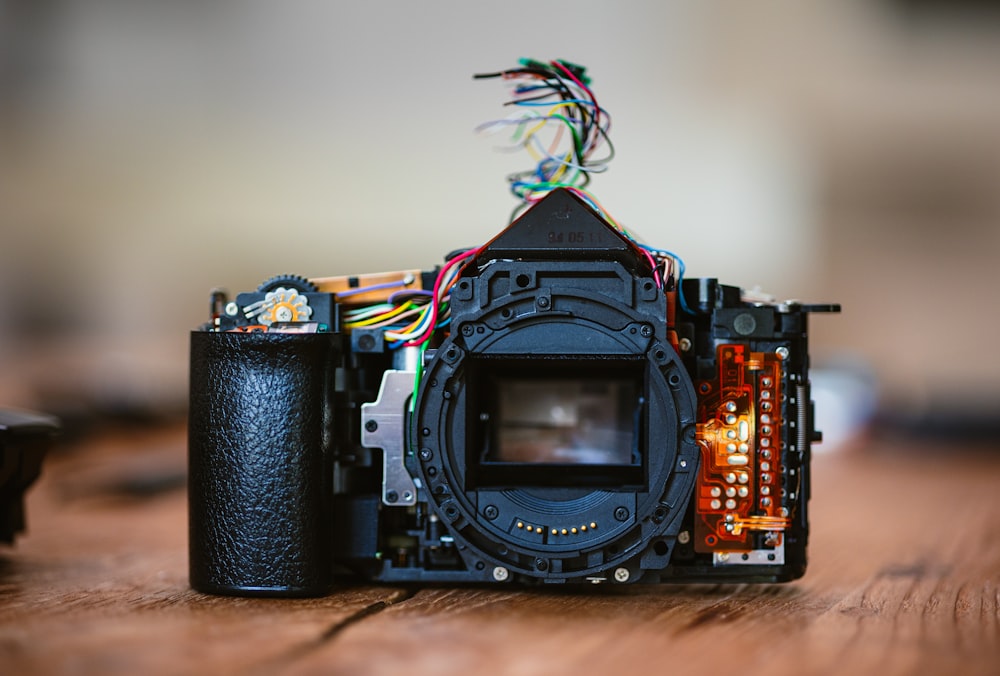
(439,295)
(593,99)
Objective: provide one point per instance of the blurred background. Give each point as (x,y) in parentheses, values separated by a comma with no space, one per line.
(841,151)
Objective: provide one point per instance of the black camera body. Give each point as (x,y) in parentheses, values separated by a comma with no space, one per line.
(568,423)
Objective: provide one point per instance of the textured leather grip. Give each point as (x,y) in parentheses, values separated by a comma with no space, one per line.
(259,466)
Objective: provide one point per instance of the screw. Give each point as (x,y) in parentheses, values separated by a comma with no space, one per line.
(621,513)
(500,574)
(543,302)
(232,309)
(541,564)
(391,496)
(467,330)
(683,464)
(684,537)
(491,512)
(646,330)
(684,344)
(371,425)
(621,574)
(782,352)
(426,454)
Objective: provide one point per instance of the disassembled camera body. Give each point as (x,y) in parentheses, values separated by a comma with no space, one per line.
(570,411)
(24,439)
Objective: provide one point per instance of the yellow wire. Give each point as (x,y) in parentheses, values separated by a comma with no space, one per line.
(562,168)
(378,318)
(391,320)
(541,125)
(361,314)
(402,333)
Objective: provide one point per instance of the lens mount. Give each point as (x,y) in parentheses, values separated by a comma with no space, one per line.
(555,426)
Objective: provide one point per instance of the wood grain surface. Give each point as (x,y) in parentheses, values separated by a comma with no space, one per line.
(904,578)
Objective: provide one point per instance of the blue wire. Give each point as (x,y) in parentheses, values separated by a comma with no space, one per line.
(681,269)
(549,104)
(521,89)
(373,287)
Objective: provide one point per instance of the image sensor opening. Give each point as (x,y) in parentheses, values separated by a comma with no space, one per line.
(563,423)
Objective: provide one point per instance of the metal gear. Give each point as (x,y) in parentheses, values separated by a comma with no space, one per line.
(286,282)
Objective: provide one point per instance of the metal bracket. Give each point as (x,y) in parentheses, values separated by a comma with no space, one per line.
(383,425)
(758,557)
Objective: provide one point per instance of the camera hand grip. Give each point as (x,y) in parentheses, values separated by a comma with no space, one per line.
(259,466)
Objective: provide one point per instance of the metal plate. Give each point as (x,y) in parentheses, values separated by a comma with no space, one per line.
(383,425)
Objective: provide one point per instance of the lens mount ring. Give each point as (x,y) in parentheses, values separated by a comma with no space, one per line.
(579,532)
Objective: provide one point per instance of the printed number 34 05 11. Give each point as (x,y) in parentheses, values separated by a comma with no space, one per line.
(575,237)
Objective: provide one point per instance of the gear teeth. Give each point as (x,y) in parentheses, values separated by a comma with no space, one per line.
(297,282)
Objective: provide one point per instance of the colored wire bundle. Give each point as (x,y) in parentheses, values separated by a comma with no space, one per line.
(409,318)
(555,98)
(558,122)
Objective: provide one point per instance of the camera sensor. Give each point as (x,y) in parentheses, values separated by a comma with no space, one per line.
(558,423)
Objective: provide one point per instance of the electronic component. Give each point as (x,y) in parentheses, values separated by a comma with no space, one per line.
(558,405)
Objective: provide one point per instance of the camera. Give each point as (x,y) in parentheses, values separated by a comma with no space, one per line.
(559,405)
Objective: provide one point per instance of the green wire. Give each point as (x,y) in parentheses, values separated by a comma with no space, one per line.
(418,377)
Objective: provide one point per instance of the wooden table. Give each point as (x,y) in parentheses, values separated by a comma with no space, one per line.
(904,578)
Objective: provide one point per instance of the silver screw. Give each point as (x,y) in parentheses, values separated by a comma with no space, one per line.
(684,344)
(232,309)
(500,574)
(684,537)
(782,352)
(621,574)
(683,463)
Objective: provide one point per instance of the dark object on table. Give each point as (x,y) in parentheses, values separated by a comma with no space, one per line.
(24,439)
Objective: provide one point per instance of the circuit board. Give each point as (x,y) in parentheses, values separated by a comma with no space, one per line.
(738,493)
